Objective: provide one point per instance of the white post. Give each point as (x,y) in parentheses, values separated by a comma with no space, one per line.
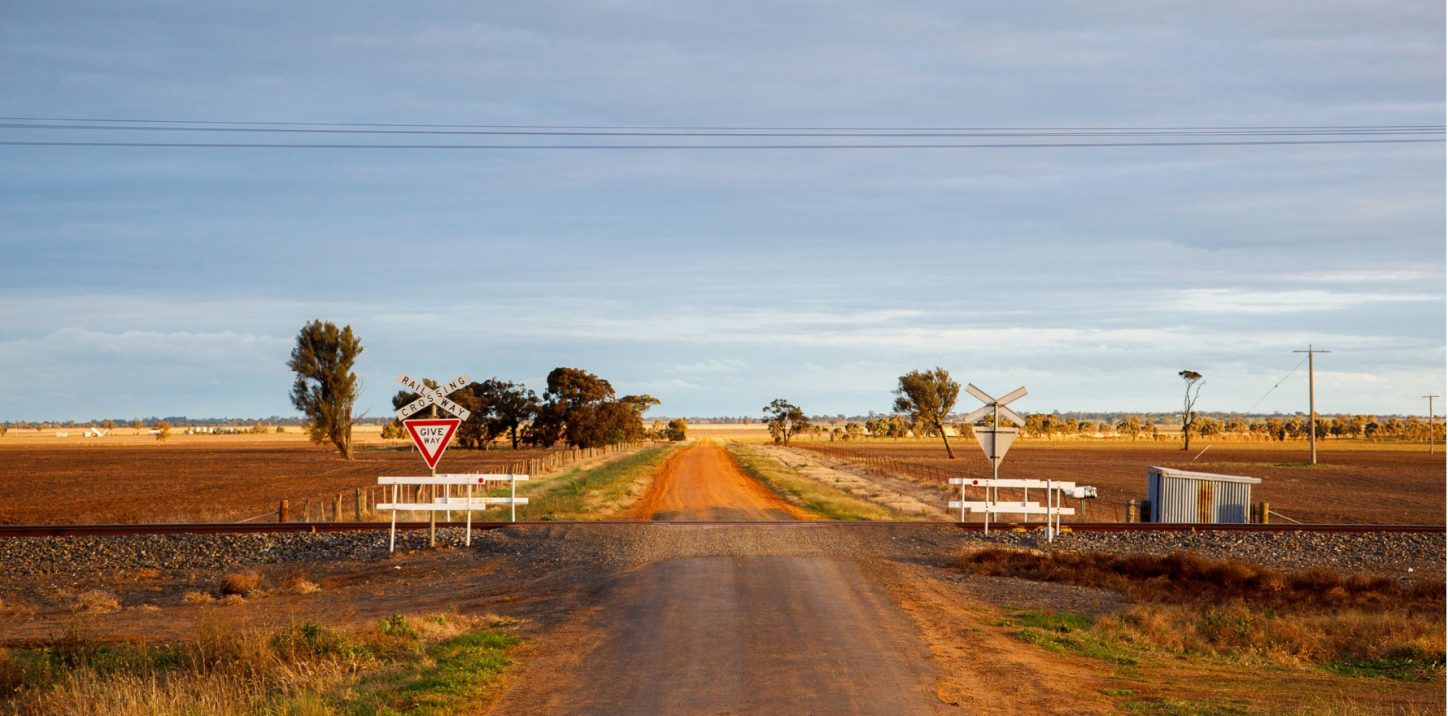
(1050,536)
(513,499)
(962,501)
(1025,497)
(392,539)
(468,537)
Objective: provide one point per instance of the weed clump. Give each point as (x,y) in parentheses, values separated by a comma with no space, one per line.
(96,601)
(1189,577)
(243,584)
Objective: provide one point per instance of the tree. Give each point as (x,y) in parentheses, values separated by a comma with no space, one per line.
(853,431)
(928,397)
(785,420)
(677,430)
(508,407)
(580,409)
(1194,383)
(137,425)
(326,389)
(163,431)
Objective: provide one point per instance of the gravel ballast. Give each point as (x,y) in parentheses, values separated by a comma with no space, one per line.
(1376,552)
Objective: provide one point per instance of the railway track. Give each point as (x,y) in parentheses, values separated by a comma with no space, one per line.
(251,528)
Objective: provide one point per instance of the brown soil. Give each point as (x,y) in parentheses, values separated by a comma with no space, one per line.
(201,482)
(1355,485)
(703,483)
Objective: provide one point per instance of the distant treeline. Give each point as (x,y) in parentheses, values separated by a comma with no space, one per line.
(1151,427)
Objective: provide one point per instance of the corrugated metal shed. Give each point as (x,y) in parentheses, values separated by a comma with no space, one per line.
(1180,496)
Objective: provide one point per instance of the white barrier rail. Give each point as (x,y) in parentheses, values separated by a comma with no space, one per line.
(466,503)
(1015,508)
(991,506)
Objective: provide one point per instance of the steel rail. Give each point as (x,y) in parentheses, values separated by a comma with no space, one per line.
(63,530)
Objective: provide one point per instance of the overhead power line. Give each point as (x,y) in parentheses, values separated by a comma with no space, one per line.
(102,132)
(996,145)
(751,132)
(720,128)
(1278,384)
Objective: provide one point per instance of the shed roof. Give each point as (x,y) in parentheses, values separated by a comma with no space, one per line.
(1188,475)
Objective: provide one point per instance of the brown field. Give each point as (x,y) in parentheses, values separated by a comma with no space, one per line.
(1353,483)
(124,477)
(197,478)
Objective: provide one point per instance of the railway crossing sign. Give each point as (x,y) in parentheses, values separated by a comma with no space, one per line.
(432,435)
(994,440)
(432,396)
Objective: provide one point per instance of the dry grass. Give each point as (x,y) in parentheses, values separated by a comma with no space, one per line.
(95,601)
(197,598)
(297,584)
(1188,577)
(432,664)
(821,499)
(1188,604)
(242,584)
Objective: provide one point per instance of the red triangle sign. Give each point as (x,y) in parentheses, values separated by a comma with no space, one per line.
(431,437)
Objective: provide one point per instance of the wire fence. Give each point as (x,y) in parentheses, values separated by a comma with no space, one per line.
(360,503)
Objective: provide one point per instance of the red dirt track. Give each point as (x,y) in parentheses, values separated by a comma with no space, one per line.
(703,483)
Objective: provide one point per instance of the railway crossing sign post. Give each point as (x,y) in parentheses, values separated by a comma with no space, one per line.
(994,440)
(431,435)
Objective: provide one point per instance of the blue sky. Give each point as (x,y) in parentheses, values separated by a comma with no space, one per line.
(156,281)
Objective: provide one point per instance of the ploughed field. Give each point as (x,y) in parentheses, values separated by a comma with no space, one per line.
(1351,484)
(200,480)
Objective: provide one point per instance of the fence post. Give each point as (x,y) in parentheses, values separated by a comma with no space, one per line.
(357,505)
(1266,510)
(282,511)
(1133,513)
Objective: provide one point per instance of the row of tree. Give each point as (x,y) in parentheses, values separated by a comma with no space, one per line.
(577,408)
(924,401)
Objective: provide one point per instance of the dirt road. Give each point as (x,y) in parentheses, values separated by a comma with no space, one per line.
(758,628)
(703,483)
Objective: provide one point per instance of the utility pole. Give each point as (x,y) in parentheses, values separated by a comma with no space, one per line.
(1311,402)
(1430,398)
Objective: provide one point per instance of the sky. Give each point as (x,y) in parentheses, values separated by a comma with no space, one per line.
(139,281)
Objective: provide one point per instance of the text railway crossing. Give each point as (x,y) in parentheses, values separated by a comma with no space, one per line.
(432,435)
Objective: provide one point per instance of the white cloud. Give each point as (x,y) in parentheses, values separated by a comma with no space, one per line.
(1227,301)
(712,366)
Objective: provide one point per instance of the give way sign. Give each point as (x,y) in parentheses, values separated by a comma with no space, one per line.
(431,436)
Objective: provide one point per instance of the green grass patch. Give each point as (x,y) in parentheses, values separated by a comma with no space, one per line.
(1066,633)
(566,495)
(446,677)
(811,495)
(1398,667)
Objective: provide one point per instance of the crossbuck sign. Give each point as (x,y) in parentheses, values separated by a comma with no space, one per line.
(432,435)
(432,396)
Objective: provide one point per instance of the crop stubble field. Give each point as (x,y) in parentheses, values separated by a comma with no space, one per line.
(134,478)
(1351,484)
